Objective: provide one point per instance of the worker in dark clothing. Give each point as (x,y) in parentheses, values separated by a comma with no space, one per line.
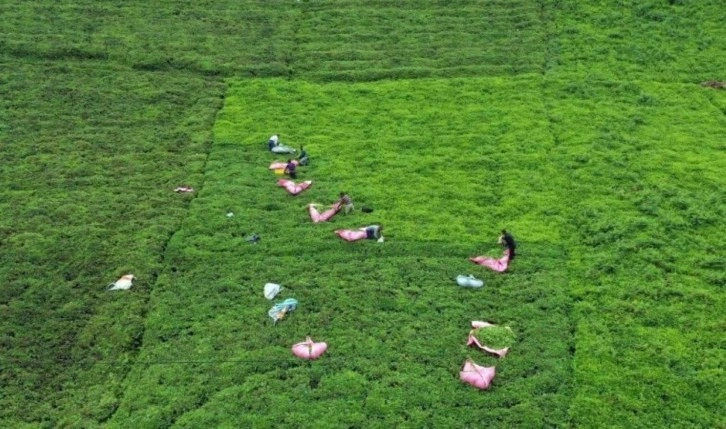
(291,169)
(303,158)
(507,240)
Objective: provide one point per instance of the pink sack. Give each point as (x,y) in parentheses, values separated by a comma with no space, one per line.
(292,187)
(476,375)
(309,350)
(277,165)
(351,234)
(316,216)
(476,324)
(499,352)
(497,265)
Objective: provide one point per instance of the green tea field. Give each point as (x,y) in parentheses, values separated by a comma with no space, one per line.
(594,131)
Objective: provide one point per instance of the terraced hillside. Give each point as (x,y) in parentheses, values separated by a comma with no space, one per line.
(321,40)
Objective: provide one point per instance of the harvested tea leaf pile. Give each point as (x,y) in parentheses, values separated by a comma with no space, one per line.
(496,337)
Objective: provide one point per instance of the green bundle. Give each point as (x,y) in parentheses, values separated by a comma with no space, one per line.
(495,337)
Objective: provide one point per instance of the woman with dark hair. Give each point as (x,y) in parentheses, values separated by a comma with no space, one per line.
(501,264)
(507,240)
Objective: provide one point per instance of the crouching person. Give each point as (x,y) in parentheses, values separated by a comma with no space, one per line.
(346,202)
(273,141)
(303,159)
(374,232)
(291,169)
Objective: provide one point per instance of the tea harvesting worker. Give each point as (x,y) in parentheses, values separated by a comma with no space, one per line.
(290,169)
(303,158)
(275,146)
(507,240)
(373,232)
(346,202)
(273,141)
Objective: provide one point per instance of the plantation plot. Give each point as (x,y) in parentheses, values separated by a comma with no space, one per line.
(434,159)
(90,157)
(648,40)
(350,40)
(648,268)
(208,38)
(327,40)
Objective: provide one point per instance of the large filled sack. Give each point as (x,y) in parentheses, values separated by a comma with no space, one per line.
(317,217)
(280,309)
(271,290)
(282,149)
(477,375)
(491,338)
(309,349)
(279,165)
(469,281)
(351,234)
(498,265)
(292,187)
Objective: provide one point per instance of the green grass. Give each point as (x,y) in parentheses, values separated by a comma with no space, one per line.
(322,40)
(648,291)
(496,337)
(393,315)
(91,158)
(670,41)
(580,126)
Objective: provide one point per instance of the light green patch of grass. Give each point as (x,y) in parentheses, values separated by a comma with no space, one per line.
(392,314)
(651,40)
(646,278)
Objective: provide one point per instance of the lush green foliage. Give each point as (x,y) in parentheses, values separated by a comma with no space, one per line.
(580,126)
(90,158)
(496,337)
(393,315)
(647,273)
(331,40)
